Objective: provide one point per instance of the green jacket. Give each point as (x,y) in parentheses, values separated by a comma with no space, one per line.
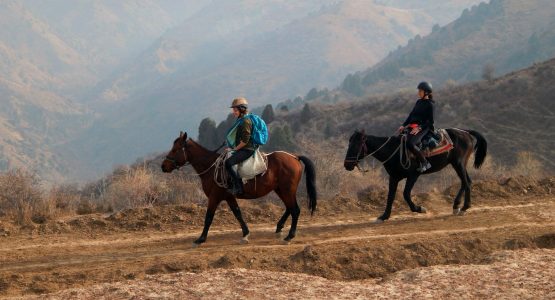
(244,131)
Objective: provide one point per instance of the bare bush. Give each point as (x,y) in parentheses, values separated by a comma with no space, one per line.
(142,187)
(21,197)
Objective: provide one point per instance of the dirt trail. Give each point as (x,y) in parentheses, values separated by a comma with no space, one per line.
(346,246)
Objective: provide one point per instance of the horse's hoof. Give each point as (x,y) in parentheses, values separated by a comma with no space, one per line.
(378,221)
(462,213)
(245,239)
(286,242)
(456,211)
(195,245)
(278,234)
(423,210)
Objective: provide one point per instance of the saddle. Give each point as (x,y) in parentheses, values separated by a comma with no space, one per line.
(436,142)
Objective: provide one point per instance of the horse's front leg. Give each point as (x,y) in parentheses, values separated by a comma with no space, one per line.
(232,202)
(393,182)
(211,210)
(411,180)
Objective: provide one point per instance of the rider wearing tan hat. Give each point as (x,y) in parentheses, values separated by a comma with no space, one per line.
(243,147)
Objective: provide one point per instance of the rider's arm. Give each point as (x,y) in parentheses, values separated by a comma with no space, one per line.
(245,134)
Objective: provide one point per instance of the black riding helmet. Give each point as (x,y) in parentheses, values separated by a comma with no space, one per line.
(425,86)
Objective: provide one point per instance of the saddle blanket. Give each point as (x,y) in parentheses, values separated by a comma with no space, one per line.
(445,144)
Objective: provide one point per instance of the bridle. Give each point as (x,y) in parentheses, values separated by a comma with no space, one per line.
(363,149)
(176,166)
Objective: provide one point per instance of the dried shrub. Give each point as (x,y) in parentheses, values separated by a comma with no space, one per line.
(21,197)
(143,187)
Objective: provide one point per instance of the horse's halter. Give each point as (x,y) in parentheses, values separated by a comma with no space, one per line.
(176,166)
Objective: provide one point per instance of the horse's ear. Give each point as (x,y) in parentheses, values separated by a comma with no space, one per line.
(184,135)
(180,134)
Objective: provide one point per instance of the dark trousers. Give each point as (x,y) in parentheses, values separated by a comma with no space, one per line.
(413,140)
(236,158)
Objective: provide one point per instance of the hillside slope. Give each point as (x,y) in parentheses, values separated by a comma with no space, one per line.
(514,112)
(504,35)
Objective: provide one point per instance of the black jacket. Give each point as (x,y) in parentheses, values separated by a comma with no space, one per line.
(422,114)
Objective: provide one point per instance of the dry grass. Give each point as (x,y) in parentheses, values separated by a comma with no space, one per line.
(24,201)
(142,187)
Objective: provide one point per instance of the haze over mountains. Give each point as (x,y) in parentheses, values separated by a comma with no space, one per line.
(504,34)
(85,85)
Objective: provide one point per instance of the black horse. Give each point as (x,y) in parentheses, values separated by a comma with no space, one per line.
(391,152)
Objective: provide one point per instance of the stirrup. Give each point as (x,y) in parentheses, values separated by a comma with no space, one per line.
(424,167)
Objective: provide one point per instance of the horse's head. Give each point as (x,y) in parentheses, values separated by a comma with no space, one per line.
(357,150)
(177,157)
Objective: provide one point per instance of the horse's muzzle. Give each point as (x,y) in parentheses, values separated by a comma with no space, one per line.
(349,166)
(166,166)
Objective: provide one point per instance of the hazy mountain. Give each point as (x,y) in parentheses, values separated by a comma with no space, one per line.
(265,51)
(53,51)
(503,35)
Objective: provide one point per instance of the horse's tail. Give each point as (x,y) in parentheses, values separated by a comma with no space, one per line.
(480,149)
(310,174)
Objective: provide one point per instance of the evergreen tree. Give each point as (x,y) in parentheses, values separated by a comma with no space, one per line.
(280,139)
(329,130)
(207,135)
(306,113)
(268,114)
(311,95)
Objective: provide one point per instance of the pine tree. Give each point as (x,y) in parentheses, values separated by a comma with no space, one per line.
(207,133)
(306,113)
(268,114)
(312,94)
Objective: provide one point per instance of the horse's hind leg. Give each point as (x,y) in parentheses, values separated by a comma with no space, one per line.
(295,212)
(232,202)
(291,208)
(465,187)
(406,194)
(466,204)
(282,220)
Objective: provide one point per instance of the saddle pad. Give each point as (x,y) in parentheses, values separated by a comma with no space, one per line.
(256,164)
(445,144)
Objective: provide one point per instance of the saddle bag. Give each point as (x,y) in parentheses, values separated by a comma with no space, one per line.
(253,166)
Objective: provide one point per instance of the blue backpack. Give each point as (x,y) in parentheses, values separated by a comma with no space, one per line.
(259,133)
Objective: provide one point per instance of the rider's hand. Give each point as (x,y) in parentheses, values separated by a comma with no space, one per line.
(228,149)
(400,129)
(415,130)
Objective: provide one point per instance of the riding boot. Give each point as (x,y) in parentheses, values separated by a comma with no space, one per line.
(236,182)
(424,164)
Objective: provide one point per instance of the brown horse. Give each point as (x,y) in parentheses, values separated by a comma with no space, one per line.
(389,150)
(282,176)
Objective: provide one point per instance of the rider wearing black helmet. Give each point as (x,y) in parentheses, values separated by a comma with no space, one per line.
(420,121)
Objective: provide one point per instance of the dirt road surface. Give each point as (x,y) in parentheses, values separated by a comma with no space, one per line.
(134,255)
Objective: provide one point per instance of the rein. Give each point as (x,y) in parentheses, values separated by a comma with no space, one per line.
(364,150)
(177,167)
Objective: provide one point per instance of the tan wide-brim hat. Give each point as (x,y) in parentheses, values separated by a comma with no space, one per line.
(239,101)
